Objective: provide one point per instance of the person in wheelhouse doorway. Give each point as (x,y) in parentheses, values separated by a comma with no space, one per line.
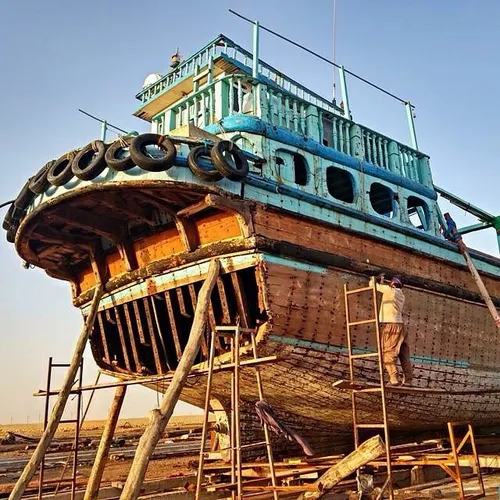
(394,338)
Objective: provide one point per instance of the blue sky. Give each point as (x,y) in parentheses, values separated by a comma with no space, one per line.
(57,56)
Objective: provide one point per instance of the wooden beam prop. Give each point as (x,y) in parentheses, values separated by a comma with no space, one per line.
(57,412)
(95,478)
(159,418)
(480,284)
(368,451)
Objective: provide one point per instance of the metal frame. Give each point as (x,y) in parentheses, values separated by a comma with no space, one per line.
(375,389)
(235,446)
(76,421)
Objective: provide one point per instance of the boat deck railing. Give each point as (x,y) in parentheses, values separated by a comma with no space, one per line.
(236,93)
(225,48)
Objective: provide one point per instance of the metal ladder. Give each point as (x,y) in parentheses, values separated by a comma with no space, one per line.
(76,421)
(354,355)
(235,333)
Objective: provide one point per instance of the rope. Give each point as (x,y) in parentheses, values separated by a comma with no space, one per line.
(5,203)
(123,142)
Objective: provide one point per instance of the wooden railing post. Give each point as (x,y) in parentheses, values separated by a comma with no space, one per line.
(159,418)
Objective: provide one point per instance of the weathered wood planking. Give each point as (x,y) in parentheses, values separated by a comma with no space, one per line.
(310,234)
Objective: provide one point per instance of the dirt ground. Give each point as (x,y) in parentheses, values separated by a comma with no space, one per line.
(130,429)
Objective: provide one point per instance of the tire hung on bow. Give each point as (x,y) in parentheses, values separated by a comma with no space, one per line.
(229,160)
(89,162)
(118,155)
(39,183)
(196,166)
(60,171)
(142,158)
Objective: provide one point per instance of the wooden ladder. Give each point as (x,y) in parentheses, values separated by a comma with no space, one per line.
(356,354)
(236,335)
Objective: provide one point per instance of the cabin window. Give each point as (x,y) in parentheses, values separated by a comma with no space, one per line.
(382,199)
(300,169)
(340,184)
(292,167)
(418,212)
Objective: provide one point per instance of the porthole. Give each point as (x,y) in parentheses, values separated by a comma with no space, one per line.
(418,212)
(382,199)
(340,184)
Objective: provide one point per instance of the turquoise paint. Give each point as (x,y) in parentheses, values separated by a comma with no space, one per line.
(302,266)
(252,124)
(411,125)
(337,349)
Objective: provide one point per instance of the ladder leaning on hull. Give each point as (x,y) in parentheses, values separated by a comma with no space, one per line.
(374,389)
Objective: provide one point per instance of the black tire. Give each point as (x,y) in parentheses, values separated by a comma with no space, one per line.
(11,234)
(229,160)
(39,182)
(141,158)
(112,159)
(194,156)
(89,162)
(60,171)
(24,198)
(8,220)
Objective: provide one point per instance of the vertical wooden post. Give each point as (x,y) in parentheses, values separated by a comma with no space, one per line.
(159,418)
(95,478)
(57,412)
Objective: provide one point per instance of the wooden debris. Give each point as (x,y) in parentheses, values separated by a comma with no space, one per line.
(366,452)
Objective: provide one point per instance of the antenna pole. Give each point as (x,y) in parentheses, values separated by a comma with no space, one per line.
(333,47)
(255,62)
(104,129)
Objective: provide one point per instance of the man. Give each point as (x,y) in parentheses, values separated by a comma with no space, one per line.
(394,341)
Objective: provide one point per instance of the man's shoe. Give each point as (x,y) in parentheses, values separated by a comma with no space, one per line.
(395,383)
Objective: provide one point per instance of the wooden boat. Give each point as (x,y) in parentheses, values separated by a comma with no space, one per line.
(325,202)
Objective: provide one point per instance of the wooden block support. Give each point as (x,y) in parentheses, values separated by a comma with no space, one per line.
(57,412)
(368,451)
(95,478)
(159,418)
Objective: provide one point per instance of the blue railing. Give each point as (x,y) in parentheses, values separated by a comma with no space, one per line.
(227,49)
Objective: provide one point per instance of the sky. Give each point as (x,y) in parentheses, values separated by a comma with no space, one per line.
(57,56)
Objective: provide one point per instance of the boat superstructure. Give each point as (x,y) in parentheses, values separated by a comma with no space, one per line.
(309,201)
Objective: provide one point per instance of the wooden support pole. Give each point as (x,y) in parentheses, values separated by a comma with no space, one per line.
(95,478)
(366,452)
(57,412)
(480,285)
(159,418)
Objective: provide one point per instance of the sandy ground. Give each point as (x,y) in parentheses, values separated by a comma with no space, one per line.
(130,429)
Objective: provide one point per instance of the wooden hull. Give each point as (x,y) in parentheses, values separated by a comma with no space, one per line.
(298,307)
(284,274)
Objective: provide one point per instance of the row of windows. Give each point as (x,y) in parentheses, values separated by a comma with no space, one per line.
(341,186)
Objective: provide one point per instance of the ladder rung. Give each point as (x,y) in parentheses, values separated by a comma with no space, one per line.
(370,426)
(368,389)
(365,355)
(61,365)
(362,322)
(69,421)
(359,290)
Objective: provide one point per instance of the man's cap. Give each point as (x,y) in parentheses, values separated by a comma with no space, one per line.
(396,281)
